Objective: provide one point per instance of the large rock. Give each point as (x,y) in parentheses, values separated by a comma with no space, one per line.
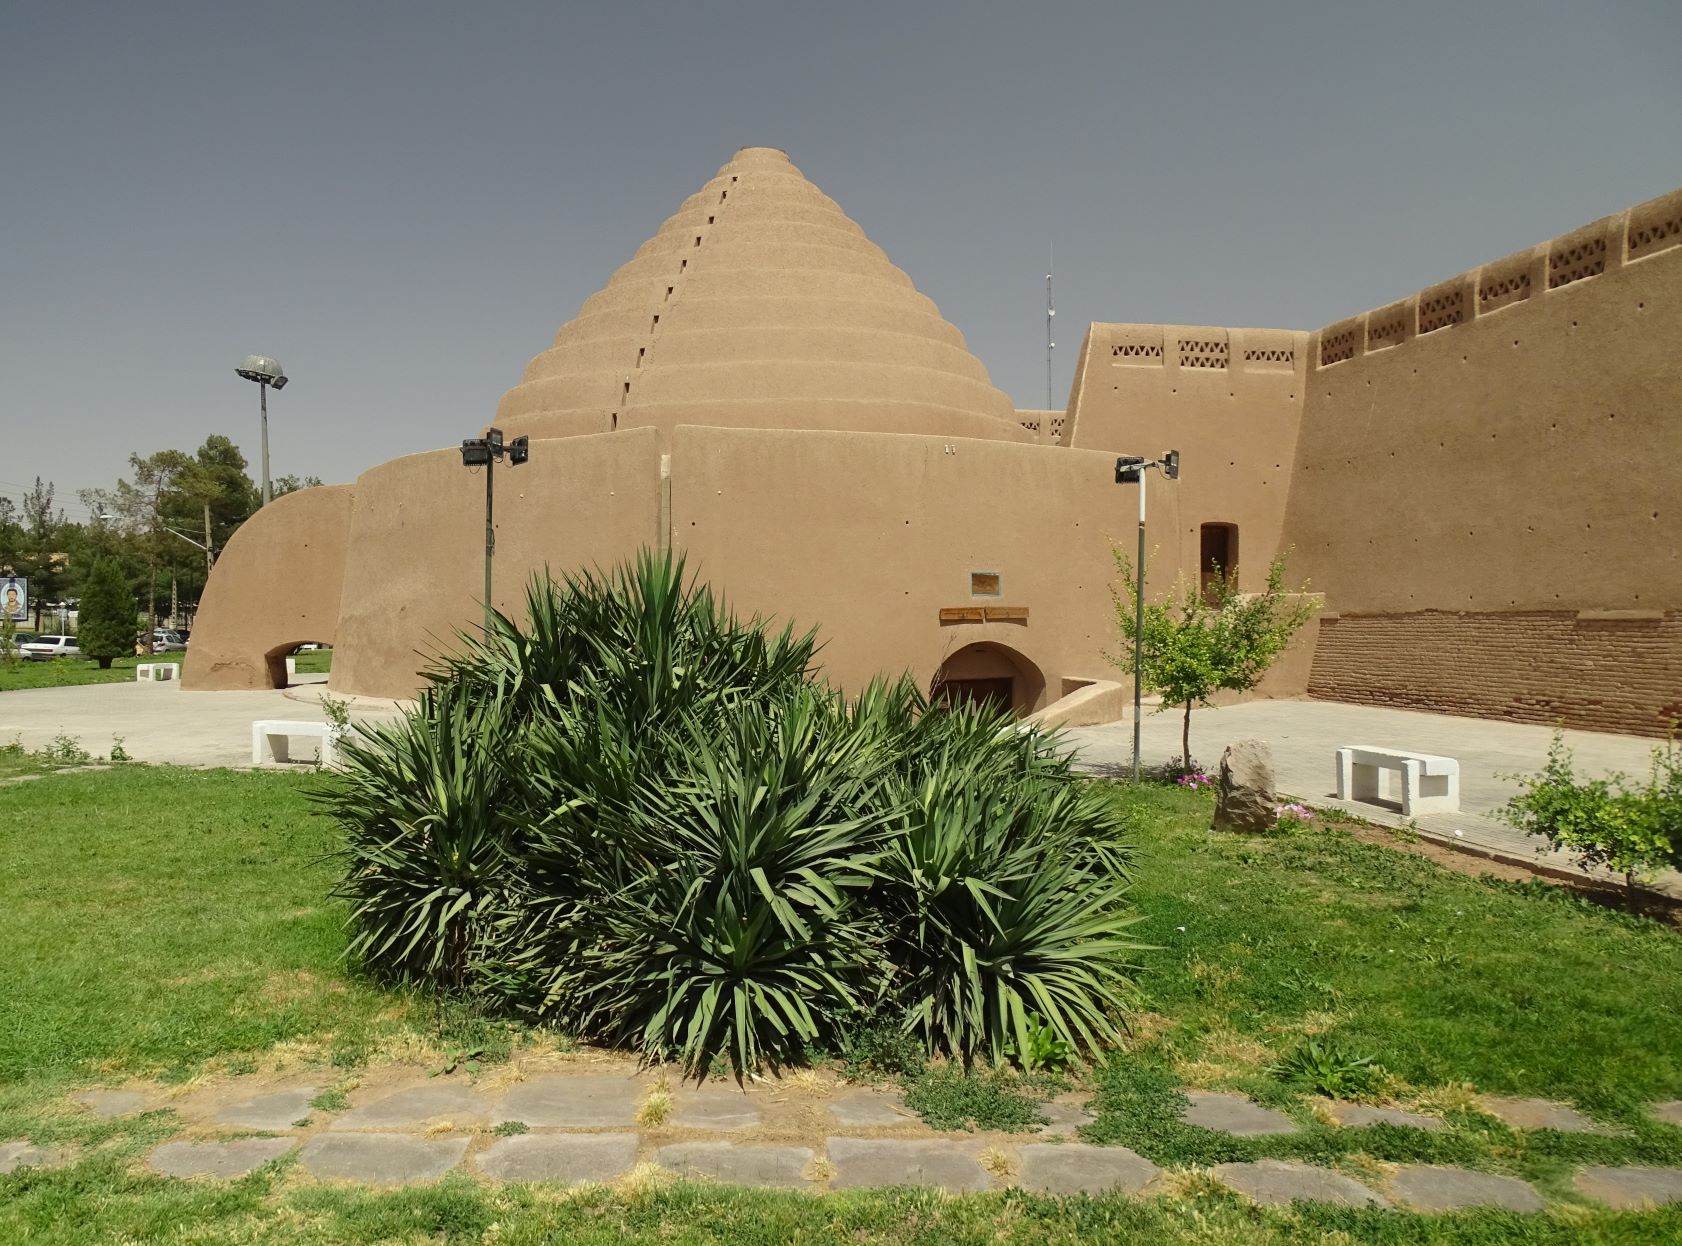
(1244,791)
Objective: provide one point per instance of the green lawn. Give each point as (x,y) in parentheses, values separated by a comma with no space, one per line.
(170,923)
(62,672)
(314,661)
(1442,979)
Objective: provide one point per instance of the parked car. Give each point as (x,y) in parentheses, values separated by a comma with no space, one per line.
(166,641)
(43,648)
(13,649)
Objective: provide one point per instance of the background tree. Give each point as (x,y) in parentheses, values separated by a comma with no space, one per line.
(11,537)
(1208,638)
(40,559)
(105,626)
(281,485)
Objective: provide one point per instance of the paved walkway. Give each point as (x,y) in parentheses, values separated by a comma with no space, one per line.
(163,724)
(1304,735)
(597,1124)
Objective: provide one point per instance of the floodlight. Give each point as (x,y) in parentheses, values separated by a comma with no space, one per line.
(1171,465)
(1129,469)
(475,452)
(519,450)
(263,370)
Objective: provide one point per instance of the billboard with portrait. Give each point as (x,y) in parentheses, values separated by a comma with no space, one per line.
(14,598)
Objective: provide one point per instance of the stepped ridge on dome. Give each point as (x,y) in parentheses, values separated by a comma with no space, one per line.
(758,304)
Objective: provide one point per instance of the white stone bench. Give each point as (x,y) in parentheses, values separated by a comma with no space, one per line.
(155,672)
(273,736)
(1430,784)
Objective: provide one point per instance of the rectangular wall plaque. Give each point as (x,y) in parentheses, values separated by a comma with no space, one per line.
(984,584)
(984,614)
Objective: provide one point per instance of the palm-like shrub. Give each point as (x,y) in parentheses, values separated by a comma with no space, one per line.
(429,831)
(641,819)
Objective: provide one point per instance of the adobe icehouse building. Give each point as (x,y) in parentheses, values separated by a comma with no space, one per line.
(1483,479)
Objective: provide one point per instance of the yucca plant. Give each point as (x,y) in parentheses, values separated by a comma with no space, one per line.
(727,917)
(641,819)
(1007,891)
(429,834)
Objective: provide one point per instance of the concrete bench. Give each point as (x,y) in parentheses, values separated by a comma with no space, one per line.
(1430,784)
(273,736)
(155,672)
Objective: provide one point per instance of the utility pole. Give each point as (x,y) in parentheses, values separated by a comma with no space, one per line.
(209,558)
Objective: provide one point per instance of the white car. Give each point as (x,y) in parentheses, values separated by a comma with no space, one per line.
(166,641)
(44,647)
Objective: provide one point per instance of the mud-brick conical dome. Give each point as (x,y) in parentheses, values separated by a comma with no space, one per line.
(759,304)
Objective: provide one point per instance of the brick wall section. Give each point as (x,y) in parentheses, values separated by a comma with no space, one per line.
(1607,671)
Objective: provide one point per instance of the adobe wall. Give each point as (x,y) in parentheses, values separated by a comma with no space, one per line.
(870,537)
(1228,399)
(417,540)
(1604,670)
(1487,466)
(276,585)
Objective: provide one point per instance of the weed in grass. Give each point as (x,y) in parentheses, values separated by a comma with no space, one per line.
(997,1162)
(330,1101)
(66,750)
(878,1048)
(820,1170)
(118,752)
(511,1129)
(1043,1051)
(657,1106)
(949,1098)
(1329,1069)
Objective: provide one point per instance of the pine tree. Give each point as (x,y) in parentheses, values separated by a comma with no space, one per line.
(105,626)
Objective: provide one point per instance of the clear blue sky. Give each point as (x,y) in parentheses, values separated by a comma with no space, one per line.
(403,201)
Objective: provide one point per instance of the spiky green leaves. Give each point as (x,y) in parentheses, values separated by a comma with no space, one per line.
(639,818)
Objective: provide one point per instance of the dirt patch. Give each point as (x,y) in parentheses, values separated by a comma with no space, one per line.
(293,986)
(1459,861)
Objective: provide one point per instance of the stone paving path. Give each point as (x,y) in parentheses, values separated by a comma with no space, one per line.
(571,1127)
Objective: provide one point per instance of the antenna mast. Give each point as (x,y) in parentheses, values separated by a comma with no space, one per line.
(1050,311)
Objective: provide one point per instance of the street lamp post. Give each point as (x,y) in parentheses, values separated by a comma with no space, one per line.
(484,452)
(1130,469)
(266,372)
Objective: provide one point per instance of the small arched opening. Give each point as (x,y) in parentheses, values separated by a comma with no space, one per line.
(298,662)
(989,673)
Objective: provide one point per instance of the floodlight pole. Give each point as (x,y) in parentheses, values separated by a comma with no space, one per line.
(484,452)
(490,526)
(1131,469)
(263,406)
(1139,631)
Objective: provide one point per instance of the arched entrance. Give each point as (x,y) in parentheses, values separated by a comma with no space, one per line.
(989,673)
(296,662)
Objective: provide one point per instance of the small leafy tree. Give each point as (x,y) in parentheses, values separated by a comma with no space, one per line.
(1636,831)
(105,626)
(1208,638)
